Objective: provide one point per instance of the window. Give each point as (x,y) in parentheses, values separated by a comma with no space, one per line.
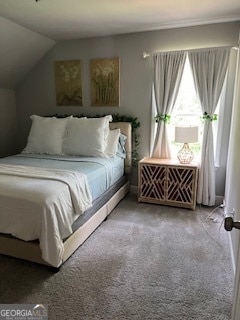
(187,111)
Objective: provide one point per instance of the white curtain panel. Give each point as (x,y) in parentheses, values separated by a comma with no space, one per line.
(209,68)
(168,69)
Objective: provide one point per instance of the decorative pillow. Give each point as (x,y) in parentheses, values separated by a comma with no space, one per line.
(121,151)
(112,143)
(87,137)
(46,135)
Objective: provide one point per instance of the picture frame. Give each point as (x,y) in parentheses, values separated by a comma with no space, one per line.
(68,82)
(105,82)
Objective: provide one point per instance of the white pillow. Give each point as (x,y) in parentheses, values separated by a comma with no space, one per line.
(112,143)
(121,151)
(46,135)
(87,137)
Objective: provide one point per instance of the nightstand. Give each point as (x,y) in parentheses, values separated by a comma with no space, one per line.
(167,182)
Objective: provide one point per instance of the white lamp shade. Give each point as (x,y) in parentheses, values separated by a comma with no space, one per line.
(186,134)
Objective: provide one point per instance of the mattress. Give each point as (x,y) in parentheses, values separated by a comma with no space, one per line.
(101,172)
(51,221)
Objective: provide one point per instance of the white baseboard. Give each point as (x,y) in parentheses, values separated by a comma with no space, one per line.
(219,200)
(134,189)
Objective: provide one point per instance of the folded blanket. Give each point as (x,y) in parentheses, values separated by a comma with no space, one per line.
(40,203)
(76,181)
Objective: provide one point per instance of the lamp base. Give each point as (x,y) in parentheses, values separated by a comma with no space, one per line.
(185,155)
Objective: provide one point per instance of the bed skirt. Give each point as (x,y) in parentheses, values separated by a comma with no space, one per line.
(82,227)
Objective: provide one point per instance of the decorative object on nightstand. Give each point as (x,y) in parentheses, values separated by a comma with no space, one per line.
(186,135)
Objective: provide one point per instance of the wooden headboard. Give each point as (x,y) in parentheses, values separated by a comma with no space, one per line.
(126,129)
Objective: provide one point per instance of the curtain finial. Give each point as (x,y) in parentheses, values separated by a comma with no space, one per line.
(146,55)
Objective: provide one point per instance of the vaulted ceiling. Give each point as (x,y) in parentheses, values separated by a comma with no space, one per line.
(30,28)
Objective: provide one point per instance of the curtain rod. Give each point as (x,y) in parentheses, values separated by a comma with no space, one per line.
(146,55)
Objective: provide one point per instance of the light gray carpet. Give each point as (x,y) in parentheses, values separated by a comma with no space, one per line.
(145,262)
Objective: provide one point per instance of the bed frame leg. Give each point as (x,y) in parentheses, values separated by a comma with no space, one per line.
(53,269)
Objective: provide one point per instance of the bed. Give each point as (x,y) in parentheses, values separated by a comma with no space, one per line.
(62,186)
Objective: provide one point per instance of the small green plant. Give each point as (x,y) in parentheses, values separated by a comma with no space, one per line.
(135,136)
(163,117)
(209,117)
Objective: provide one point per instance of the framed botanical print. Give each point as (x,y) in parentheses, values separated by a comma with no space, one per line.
(68,82)
(105,82)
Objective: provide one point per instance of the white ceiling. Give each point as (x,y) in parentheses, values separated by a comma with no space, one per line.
(29,29)
(74,19)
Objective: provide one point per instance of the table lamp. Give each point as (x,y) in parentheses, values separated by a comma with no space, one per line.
(186,135)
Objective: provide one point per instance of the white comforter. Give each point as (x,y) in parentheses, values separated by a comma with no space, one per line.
(38,203)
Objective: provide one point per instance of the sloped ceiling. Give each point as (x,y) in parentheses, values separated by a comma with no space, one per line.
(20,50)
(30,28)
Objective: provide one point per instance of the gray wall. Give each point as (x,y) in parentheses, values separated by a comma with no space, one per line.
(20,51)
(8,122)
(36,94)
